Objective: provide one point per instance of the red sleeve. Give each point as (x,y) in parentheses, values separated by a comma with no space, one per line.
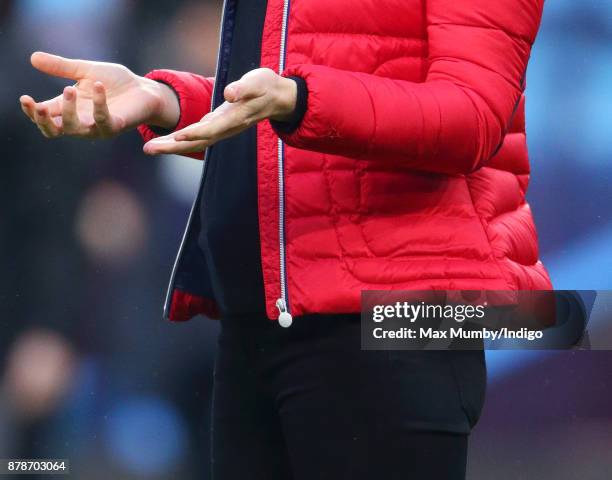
(194,93)
(450,123)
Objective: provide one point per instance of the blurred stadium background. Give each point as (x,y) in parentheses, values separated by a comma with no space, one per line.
(88,233)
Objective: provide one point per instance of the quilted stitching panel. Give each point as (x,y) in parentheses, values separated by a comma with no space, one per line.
(367,220)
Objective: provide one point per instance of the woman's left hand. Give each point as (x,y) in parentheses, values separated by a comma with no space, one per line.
(260,94)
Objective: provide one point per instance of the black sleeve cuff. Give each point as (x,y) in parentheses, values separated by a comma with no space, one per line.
(162,132)
(301,104)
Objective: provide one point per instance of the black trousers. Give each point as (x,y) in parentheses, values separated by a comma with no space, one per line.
(306,403)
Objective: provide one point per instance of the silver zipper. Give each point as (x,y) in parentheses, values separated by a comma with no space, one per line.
(284,318)
(204,163)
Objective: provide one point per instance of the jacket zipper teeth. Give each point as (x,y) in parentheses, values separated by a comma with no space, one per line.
(282,303)
(168,299)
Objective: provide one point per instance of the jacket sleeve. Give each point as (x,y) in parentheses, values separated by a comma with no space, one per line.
(194,94)
(452,122)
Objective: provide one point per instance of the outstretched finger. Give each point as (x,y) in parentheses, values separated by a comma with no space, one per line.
(199,131)
(168,145)
(60,66)
(45,123)
(54,105)
(70,118)
(102,116)
(28,105)
(216,125)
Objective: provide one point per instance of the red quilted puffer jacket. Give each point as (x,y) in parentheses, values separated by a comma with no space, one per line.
(410,166)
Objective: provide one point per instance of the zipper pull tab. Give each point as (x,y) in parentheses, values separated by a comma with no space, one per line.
(284,318)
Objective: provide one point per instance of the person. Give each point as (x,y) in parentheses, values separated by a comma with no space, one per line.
(380,146)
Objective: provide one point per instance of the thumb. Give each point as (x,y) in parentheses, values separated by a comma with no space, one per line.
(59,66)
(243,89)
(233,92)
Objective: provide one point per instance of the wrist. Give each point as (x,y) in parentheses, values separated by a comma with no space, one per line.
(290,124)
(286,99)
(165,109)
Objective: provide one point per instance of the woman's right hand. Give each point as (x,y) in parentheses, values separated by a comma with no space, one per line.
(106,100)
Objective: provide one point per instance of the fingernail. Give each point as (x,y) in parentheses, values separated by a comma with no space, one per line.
(232,91)
(180,138)
(68,93)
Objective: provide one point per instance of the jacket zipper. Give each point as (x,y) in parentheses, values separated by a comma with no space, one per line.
(168,299)
(284,318)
